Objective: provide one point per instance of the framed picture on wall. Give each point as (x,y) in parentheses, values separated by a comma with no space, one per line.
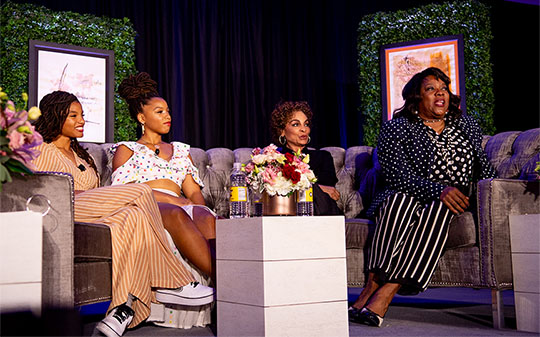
(88,73)
(400,61)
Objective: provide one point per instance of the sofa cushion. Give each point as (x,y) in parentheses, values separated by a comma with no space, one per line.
(527,171)
(242,155)
(510,151)
(461,232)
(103,160)
(93,242)
(92,282)
(357,233)
(499,150)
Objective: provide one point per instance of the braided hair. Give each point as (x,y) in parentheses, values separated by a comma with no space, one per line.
(54,112)
(137,91)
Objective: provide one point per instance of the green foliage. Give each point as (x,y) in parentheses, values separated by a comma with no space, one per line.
(20,23)
(469,18)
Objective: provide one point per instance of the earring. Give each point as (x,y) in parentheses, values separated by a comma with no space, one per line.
(142,127)
(416,112)
(308,139)
(282,140)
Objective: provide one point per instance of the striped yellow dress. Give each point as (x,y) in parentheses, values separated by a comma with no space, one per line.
(141,258)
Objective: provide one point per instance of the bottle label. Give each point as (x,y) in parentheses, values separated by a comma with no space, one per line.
(238,193)
(306,195)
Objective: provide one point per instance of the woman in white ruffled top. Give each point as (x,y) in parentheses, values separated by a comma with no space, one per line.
(168,169)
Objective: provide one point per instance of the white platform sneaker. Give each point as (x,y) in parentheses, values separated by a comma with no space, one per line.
(191,294)
(116,321)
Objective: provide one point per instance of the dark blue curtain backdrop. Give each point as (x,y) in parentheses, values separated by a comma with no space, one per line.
(223,65)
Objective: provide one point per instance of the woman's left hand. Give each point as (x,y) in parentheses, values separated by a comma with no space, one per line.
(331,191)
(456,201)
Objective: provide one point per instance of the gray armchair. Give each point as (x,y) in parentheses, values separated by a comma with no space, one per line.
(76,266)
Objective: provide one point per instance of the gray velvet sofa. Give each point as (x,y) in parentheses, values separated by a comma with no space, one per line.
(77,257)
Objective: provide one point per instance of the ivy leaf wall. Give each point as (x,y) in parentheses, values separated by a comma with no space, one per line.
(469,18)
(20,23)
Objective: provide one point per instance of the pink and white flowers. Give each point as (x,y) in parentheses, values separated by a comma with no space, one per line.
(17,138)
(278,174)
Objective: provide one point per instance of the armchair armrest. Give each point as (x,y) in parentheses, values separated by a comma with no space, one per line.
(57,270)
(497,199)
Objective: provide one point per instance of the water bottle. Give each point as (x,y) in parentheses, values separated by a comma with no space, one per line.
(304,203)
(238,201)
(257,204)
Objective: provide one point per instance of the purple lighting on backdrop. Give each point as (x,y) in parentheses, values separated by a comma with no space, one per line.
(528,2)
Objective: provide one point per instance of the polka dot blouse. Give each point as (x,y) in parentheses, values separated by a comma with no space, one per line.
(144,165)
(416,161)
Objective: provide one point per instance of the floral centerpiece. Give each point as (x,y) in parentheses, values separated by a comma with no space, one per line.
(278,174)
(17,138)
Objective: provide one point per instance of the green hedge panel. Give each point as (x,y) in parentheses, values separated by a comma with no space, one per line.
(20,23)
(469,18)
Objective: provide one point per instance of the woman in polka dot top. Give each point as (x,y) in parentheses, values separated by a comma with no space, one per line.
(431,158)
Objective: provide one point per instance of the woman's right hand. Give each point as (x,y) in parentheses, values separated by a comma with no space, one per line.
(456,201)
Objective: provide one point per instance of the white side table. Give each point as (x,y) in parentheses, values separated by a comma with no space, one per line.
(282,276)
(525,246)
(20,261)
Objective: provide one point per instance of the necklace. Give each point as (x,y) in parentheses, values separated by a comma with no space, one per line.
(432,120)
(156,151)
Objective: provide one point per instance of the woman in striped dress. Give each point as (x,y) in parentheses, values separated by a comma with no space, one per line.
(144,268)
(427,153)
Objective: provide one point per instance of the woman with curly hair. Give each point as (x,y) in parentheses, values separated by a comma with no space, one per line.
(169,170)
(144,268)
(431,157)
(290,126)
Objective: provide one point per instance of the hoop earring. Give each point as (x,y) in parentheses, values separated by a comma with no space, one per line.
(142,127)
(282,140)
(308,139)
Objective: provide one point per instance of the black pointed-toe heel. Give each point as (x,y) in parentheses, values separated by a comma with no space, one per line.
(370,318)
(353,314)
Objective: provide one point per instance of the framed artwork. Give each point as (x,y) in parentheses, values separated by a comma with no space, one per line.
(400,61)
(88,73)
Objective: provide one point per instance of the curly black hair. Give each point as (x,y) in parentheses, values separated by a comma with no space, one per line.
(282,114)
(54,112)
(411,95)
(137,90)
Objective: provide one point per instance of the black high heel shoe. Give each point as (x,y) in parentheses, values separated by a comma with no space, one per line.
(364,316)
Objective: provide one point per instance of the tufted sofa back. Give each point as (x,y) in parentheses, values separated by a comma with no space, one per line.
(513,154)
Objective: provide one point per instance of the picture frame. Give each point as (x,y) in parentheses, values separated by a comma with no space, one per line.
(400,61)
(88,73)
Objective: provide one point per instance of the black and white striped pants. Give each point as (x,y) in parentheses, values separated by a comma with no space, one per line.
(408,241)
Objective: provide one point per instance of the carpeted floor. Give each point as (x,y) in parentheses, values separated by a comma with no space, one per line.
(436,312)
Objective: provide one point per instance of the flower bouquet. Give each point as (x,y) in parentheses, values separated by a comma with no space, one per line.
(278,174)
(17,138)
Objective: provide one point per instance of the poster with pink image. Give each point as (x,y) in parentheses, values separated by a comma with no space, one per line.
(88,73)
(82,76)
(399,62)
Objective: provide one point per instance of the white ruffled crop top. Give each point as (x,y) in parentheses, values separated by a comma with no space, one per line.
(144,165)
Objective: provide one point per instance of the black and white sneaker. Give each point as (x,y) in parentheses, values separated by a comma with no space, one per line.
(192,294)
(116,321)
